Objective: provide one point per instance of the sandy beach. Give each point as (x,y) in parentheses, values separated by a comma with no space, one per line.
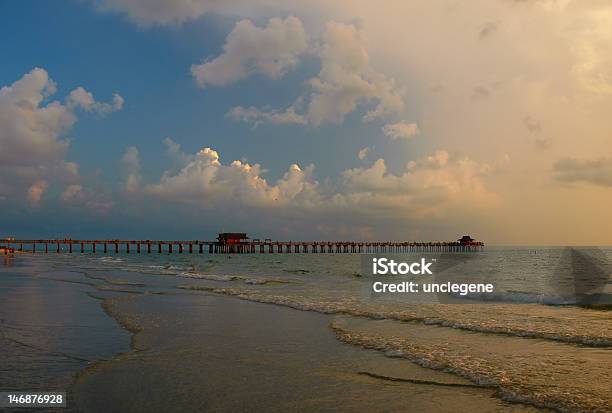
(112,334)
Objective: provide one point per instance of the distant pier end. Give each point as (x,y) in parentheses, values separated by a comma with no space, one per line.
(235,243)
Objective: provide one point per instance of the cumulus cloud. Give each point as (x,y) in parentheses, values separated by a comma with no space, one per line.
(256,116)
(206,181)
(33,131)
(130,163)
(363,153)
(30,132)
(248,49)
(347,79)
(593,171)
(36,192)
(80,98)
(427,186)
(175,153)
(401,130)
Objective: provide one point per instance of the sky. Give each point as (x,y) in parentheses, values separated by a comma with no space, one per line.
(293,120)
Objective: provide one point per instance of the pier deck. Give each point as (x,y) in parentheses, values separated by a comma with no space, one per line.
(117,246)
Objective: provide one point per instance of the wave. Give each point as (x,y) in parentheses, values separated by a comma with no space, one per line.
(511,386)
(525,297)
(231,278)
(540,379)
(352,308)
(109,259)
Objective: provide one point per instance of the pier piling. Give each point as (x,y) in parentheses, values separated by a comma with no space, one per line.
(247,246)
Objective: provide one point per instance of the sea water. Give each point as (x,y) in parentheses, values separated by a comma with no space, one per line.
(533,341)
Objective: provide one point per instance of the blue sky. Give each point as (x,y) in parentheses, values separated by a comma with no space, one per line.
(471,121)
(150,69)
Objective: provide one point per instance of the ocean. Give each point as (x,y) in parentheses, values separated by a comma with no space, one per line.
(278,332)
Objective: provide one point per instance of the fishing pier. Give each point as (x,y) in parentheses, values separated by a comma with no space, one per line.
(231,243)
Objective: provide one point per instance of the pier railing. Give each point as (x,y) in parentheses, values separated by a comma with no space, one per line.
(246,247)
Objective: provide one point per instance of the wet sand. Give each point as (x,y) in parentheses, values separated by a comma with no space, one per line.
(197,352)
(133,342)
(50,329)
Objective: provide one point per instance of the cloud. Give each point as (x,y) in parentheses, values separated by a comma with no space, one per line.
(158,12)
(401,130)
(593,171)
(257,116)
(80,98)
(532,125)
(36,192)
(363,153)
(248,49)
(92,201)
(130,163)
(33,141)
(33,131)
(591,45)
(209,183)
(542,143)
(488,29)
(426,187)
(347,79)
(175,153)
(30,131)
(481,92)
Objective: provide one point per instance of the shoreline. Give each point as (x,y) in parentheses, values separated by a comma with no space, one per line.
(117,308)
(150,309)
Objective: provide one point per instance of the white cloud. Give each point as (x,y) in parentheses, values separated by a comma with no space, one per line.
(271,51)
(175,153)
(80,98)
(363,153)
(33,131)
(428,186)
(239,184)
(436,183)
(401,130)
(29,131)
(258,116)
(347,79)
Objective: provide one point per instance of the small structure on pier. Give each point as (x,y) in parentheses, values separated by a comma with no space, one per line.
(466,240)
(232,238)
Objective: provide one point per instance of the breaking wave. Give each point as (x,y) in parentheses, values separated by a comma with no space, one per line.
(518,383)
(353,308)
